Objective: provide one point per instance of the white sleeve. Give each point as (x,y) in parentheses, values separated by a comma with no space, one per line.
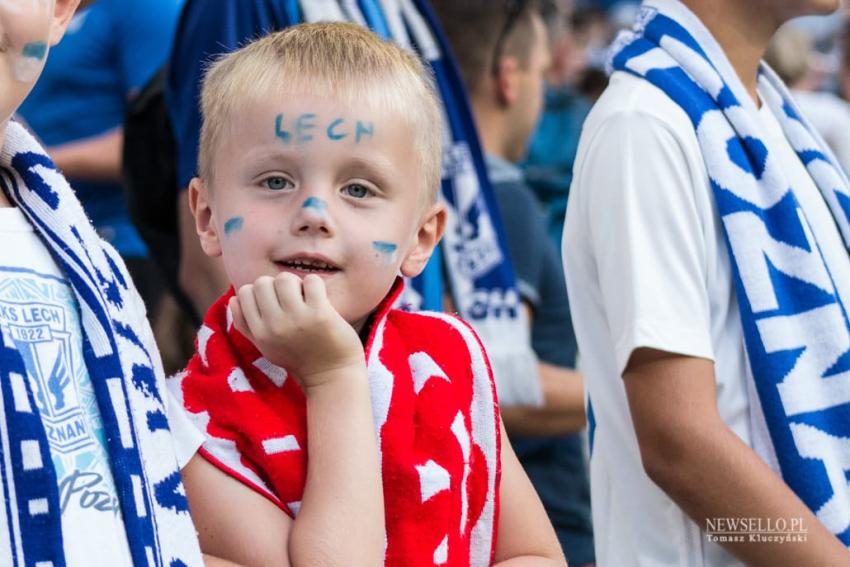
(647,236)
(187,438)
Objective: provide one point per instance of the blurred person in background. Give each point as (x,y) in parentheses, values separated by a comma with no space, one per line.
(706,255)
(503,55)
(552,150)
(110,50)
(790,54)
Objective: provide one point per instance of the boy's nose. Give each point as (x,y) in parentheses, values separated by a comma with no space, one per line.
(313,218)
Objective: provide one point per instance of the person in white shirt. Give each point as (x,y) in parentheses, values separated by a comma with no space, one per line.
(656,311)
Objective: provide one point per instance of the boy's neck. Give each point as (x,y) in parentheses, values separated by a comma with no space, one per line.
(742,34)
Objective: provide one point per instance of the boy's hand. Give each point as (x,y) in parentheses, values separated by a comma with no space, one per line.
(294,325)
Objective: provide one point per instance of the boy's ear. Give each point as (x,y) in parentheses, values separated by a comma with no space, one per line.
(63,11)
(506,81)
(204,222)
(425,240)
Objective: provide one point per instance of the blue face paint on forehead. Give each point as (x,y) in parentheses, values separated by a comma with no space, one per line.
(232,225)
(306,126)
(315,203)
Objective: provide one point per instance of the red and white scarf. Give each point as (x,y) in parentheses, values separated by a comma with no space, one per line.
(436,419)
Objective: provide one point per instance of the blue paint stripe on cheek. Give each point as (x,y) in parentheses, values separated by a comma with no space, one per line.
(233,225)
(35,50)
(384,247)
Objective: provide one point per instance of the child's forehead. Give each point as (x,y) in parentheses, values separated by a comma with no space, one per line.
(305,117)
(301,101)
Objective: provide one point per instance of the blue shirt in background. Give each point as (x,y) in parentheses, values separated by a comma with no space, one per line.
(110,51)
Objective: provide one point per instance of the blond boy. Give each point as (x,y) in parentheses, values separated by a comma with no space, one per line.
(319,165)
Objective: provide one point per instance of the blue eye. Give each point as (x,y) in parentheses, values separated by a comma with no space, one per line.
(357,191)
(277,183)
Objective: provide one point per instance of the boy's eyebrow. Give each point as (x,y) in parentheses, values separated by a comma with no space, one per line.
(374,164)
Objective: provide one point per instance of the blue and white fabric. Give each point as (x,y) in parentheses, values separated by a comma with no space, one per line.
(795,323)
(478,268)
(126,377)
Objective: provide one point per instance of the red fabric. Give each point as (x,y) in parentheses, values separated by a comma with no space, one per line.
(423,437)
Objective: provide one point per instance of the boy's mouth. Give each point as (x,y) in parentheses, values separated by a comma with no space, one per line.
(308,265)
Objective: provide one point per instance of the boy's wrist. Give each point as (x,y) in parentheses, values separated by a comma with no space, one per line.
(339,379)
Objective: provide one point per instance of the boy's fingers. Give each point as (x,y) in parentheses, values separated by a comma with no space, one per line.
(264,293)
(238,318)
(289,294)
(248,307)
(315,293)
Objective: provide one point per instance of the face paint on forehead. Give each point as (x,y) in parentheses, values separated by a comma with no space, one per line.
(304,127)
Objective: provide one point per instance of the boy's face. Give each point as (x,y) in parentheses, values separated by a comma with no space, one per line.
(26,27)
(304,184)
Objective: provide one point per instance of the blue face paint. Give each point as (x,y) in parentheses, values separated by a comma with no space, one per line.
(315,203)
(35,50)
(386,250)
(28,66)
(279,131)
(303,124)
(364,129)
(232,225)
(332,135)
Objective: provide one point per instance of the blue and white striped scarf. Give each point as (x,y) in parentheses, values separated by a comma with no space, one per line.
(126,375)
(795,325)
(483,284)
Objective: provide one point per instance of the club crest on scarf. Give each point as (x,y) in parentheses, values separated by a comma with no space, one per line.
(125,378)
(794,320)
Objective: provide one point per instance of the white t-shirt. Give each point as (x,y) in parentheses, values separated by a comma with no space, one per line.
(647,265)
(39,311)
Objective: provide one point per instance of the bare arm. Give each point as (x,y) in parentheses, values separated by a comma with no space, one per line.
(294,325)
(201,277)
(562,411)
(234,523)
(525,534)
(690,453)
(341,519)
(91,159)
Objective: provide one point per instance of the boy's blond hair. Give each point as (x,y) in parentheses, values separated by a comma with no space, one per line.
(341,59)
